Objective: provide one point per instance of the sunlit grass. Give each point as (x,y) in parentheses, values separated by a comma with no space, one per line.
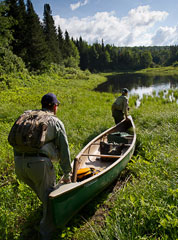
(146,207)
(81,111)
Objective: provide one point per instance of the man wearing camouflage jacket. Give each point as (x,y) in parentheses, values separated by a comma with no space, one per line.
(37,170)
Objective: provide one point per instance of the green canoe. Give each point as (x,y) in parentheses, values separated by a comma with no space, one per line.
(68,199)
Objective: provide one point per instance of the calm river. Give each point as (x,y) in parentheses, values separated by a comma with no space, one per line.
(138,83)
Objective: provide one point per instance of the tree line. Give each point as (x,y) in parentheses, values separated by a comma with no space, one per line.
(25,40)
(38,43)
(100,57)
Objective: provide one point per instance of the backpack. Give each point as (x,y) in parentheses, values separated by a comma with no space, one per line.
(85,173)
(28,133)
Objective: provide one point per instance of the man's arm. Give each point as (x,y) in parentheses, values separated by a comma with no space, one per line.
(125,107)
(64,153)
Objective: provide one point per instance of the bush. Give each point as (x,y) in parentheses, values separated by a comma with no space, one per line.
(175,64)
(71,62)
(9,62)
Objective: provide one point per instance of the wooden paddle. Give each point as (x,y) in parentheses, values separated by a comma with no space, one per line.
(75,168)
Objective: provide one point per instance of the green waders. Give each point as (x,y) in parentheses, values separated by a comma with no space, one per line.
(118,115)
(38,173)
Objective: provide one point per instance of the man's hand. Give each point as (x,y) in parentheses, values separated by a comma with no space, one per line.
(65,179)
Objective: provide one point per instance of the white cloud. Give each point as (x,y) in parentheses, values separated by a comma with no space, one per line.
(131,30)
(78,4)
(166,36)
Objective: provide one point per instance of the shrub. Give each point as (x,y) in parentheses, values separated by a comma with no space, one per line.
(9,62)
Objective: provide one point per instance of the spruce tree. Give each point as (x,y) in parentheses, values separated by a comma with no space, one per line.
(93,58)
(5,26)
(37,51)
(19,47)
(18,12)
(9,62)
(60,40)
(12,8)
(51,35)
(12,12)
(66,46)
(83,49)
(70,52)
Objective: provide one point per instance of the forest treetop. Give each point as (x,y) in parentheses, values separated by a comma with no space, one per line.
(27,41)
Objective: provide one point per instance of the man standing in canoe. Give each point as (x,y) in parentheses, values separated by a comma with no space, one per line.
(34,150)
(120,107)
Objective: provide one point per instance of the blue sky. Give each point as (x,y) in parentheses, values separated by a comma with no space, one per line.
(118,22)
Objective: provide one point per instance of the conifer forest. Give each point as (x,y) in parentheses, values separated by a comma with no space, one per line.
(34,43)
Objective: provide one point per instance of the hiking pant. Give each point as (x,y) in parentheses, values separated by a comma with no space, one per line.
(38,173)
(118,115)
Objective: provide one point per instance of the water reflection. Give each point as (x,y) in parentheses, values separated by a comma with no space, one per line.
(139,84)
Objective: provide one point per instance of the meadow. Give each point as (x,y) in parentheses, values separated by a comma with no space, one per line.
(145,207)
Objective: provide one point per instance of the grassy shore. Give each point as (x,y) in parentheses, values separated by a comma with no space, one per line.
(145,208)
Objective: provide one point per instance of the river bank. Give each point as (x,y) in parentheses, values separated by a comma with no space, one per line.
(146,206)
(148,199)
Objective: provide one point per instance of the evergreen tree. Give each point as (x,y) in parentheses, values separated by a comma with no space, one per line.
(136,60)
(173,54)
(18,12)
(5,26)
(12,8)
(106,60)
(70,52)
(41,45)
(60,40)
(51,35)
(83,49)
(93,58)
(66,46)
(100,61)
(113,51)
(37,51)
(9,62)
(20,47)
(145,59)
(104,57)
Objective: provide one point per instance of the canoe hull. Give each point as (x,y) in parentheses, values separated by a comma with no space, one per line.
(67,204)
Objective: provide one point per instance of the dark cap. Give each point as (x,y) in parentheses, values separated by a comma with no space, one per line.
(49,99)
(125,90)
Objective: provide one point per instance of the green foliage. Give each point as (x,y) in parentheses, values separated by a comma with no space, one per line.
(100,58)
(146,59)
(146,208)
(5,25)
(71,62)
(9,62)
(39,44)
(51,35)
(16,11)
(20,209)
(70,52)
(37,51)
(175,64)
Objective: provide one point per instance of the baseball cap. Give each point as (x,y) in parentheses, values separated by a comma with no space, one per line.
(125,90)
(49,99)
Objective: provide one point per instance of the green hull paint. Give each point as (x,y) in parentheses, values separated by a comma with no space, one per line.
(66,205)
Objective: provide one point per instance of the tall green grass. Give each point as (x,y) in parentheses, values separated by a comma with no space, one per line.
(84,113)
(145,208)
